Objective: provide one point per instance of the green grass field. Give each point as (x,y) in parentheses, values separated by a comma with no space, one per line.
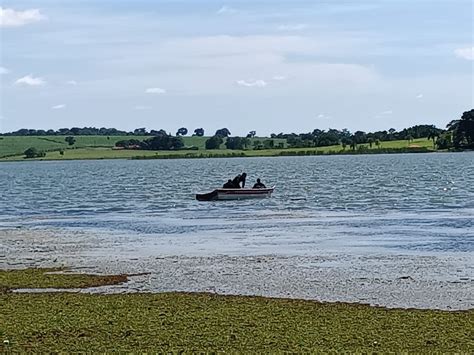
(174,322)
(100,147)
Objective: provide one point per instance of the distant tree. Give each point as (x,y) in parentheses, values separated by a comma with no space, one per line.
(360,137)
(33,153)
(251,134)
(182,131)
(409,138)
(199,132)
(70,140)
(236,143)
(370,141)
(214,142)
(223,132)
(445,141)
(269,144)
(61,152)
(353,144)
(257,145)
(463,131)
(163,142)
(377,143)
(391,131)
(345,141)
(140,132)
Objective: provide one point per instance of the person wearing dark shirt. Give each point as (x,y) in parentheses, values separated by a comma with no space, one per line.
(228,184)
(236,182)
(259,185)
(242,179)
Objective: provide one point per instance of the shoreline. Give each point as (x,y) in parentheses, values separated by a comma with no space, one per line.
(440,282)
(166,155)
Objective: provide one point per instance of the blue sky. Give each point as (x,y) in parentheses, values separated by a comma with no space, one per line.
(269,66)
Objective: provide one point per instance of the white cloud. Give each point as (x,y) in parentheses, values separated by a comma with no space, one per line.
(323,116)
(142,107)
(12,18)
(58,107)
(4,70)
(226,10)
(465,53)
(30,81)
(155,91)
(279,77)
(295,27)
(388,112)
(72,82)
(419,96)
(250,83)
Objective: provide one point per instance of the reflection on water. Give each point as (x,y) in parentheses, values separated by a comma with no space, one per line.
(417,202)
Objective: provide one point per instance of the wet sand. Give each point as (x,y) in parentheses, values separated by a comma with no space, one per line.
(434,281)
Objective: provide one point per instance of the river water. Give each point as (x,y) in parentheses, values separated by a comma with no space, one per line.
(363,214)
(417,202)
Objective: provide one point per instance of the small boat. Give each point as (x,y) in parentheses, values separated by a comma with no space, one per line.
(235,194)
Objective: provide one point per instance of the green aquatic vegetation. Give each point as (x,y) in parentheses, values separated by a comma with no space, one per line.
(170,322)
(53,278)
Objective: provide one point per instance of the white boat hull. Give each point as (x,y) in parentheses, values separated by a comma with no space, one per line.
(235,194)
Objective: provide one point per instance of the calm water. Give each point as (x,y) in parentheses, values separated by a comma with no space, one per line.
(410,203)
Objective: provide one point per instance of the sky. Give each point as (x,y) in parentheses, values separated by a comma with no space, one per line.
(269,66)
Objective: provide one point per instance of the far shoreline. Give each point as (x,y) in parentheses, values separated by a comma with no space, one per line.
(170,155)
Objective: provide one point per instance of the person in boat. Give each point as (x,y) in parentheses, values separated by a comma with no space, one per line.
(242,179)
(236,182)
(228,185)
(239,179)
(259,185)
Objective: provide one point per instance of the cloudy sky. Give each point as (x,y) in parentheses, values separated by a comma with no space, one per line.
(269,66)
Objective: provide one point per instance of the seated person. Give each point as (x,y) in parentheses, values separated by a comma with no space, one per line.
(259,185)
(236,182)
(242,179)
(228,184)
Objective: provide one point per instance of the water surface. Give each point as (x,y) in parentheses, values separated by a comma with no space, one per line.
(411,203)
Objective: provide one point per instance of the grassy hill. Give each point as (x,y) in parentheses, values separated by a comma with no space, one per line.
(100,147)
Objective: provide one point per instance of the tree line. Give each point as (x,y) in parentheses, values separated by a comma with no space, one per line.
(459,134)
(93,131)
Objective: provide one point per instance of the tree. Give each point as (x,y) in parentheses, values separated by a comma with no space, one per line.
(182,131)
(140,132)
(223,132)
(214,142)
(444,141)
(236,143)
(463,131)
(391,131)
(70,140)
(345,142)
(199,132)
(257,145)
(268,144)
(360,137)
(34,153)
(251,134)
(370,141)
(163,142)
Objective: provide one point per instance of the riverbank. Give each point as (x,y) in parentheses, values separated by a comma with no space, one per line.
(85,152)
(101,154)
(71,322)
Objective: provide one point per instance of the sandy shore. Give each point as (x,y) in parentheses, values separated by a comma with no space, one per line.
(437,281)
